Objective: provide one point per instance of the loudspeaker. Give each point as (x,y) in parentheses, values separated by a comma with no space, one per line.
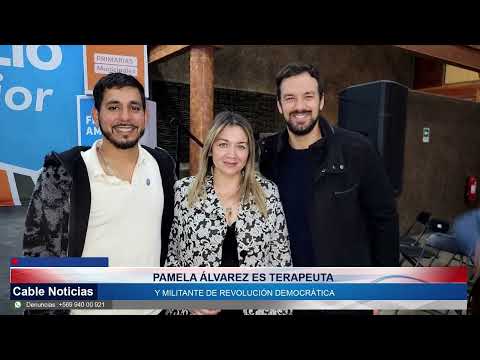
(378,110)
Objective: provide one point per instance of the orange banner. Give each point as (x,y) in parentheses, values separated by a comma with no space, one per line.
(6,198)
(100,60)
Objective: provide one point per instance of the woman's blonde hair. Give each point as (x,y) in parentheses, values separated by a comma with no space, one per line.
(249,185)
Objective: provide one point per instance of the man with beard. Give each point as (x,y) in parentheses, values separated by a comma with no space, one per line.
(338,201)
(112,200)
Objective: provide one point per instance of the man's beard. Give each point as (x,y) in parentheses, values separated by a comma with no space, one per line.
(121,145)
(302,131)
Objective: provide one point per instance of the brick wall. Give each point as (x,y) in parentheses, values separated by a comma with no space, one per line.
(173,107)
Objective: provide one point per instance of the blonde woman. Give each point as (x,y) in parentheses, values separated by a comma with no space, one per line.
(228,215)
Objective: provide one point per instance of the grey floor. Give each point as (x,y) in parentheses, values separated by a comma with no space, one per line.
(11,231)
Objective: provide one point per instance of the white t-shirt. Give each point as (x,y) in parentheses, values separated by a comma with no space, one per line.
(125,219)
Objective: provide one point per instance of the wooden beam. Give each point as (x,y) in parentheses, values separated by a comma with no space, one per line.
(201,98)
(428,73)
(163,51)
(469,90)
(467,57)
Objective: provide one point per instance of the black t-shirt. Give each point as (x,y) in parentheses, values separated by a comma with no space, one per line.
(229,248)
(295,184)
(230,259)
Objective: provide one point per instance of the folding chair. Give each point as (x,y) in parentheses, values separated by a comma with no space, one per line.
(436,238)
(440,239)
(411,249)
(422,220)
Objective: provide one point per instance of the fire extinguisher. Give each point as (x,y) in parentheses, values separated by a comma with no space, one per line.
(471,190)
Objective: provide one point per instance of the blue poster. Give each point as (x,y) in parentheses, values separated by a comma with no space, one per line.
(88,133)
(38,110)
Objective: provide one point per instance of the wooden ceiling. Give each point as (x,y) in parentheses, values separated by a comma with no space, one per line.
(162,52)
(464,56)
